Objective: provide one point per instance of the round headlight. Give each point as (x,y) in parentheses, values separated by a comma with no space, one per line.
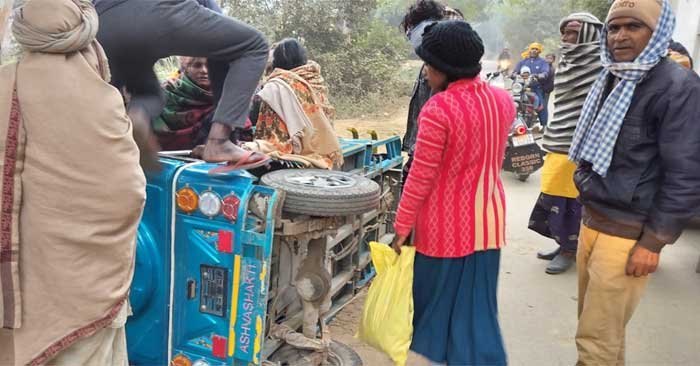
(200,363)
(517,88)
(209,204)
(187,200)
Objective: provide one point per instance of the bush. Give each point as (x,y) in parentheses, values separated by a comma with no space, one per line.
(366,73)
(360,55)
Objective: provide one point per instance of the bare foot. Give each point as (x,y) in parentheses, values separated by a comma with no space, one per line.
(219,151)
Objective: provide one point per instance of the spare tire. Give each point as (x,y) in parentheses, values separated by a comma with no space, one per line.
(324,193)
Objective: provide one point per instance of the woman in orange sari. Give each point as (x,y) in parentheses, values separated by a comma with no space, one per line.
(294,120)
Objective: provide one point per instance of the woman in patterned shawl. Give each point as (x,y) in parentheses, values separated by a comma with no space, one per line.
(189,104)
(294,120)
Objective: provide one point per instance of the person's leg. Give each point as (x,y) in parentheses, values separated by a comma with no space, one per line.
(564,223)
(435,283)
(609,300)
(539,223)
(106,347)
(237,55)
(545,110)
(475,334)
(571,224)
(542,114)
(136,31)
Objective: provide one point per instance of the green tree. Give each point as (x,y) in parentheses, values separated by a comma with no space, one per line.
(359,53)
(526,21)
(598,8)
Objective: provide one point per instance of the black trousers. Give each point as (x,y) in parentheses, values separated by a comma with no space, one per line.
(136,33)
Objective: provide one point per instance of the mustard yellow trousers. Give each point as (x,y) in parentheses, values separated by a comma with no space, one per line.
(607,297)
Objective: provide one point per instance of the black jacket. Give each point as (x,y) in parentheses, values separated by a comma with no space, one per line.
(652,187)
(421,94)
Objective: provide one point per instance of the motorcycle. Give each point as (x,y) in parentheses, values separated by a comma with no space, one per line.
(523,155)
(526,100)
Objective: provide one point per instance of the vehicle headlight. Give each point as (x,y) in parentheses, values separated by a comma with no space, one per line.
(209,204)
(517,88)
(200,363)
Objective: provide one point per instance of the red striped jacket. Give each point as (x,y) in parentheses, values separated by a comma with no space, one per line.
(454,196)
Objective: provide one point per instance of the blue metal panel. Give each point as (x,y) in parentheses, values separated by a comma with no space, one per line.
(241,323)
(147,329)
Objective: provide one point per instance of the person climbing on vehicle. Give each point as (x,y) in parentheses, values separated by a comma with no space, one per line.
(73,190)
(540,70)
(557,213)
(418,16)
(454,200)
(136,33)
(636,145)
(294,120)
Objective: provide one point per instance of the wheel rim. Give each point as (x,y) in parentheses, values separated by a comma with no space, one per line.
(327,181)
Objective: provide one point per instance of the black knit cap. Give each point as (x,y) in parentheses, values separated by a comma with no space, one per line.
(453,48)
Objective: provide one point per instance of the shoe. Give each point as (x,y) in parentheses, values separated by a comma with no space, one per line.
(548,256)
(561,263)
(537,128)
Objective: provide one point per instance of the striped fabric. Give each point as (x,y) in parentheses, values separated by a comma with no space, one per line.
(577,71)
(599,125)
(454,197)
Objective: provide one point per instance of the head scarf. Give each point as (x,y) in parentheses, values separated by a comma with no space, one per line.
(578,69)
(76,259)
(50,36)
(537,46)
(597,130)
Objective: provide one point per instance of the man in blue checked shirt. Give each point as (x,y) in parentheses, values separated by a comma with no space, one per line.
(637,145)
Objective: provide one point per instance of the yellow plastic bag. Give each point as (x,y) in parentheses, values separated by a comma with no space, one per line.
(387,319)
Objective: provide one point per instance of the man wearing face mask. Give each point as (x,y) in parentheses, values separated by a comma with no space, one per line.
(557,214)
(420,15)
(636,146)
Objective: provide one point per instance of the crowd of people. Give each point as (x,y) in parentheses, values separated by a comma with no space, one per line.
(620,180)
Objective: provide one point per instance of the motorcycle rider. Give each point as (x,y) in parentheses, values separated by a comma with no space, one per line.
(505,61)
(527,82)
(539,69)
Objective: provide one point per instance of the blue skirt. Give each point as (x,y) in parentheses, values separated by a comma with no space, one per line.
(456,312)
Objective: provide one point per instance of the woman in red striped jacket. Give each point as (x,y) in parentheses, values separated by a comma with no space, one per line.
(454,200)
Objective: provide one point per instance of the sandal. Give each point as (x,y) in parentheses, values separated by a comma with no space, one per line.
(242,164)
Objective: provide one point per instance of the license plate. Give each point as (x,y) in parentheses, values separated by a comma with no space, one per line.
(523,140)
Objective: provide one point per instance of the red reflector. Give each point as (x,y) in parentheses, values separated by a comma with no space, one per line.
(520,130)
(225,243)
(218,348)
(230,207)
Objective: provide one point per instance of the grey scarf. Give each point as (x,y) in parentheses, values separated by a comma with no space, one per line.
(578,69)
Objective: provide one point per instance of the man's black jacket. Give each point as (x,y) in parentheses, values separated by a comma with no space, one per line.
(652,187)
